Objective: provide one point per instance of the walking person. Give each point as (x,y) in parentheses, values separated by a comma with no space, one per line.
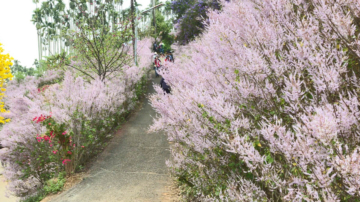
(168,57)
(171,56)
(165,86)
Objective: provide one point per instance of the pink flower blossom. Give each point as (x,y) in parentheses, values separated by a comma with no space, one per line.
(65,161)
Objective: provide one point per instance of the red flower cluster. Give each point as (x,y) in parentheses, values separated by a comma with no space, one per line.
(52,134)
(45,138)
(41,118)
(65,161)
(43,89)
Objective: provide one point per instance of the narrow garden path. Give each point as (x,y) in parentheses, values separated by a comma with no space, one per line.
(132,167)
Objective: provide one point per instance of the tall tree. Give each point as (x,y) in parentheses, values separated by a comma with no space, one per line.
(100,46)
(54,20)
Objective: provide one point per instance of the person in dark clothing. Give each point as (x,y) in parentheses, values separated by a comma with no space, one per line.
(155,47)
(162,49)
(171,57)
(164,86)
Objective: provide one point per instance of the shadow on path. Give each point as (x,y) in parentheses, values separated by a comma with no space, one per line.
(132,167)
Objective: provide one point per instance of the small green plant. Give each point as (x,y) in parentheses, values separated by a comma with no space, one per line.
(19,76)
(36,198)
(80,167)
(140,89)
(52,186)
(56,184)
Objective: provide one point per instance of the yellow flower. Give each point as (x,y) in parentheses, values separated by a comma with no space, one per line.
(5,73)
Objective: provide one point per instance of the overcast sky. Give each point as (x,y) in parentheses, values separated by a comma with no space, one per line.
(18,34)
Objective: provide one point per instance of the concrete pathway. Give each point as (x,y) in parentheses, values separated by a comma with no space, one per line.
(3,184)
(132,167)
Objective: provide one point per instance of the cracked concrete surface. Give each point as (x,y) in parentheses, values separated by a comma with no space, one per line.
(132,167)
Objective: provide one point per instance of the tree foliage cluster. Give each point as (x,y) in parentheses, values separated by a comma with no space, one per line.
(190,16)
(162,29)
(163,32)
(20,72)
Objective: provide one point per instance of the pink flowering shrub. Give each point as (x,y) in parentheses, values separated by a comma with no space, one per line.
(59,122)
(265,105)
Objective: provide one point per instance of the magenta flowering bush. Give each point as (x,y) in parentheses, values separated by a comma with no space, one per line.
(83,114)
(265,106)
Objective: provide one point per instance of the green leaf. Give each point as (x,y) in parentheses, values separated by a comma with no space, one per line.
(269,159)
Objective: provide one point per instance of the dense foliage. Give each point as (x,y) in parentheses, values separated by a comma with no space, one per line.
(190,16)
(265,106)
(17,68)
(61,120)
(5,74)
(163,31)
(20,72)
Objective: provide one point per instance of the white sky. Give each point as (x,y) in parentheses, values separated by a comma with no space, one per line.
(18,34)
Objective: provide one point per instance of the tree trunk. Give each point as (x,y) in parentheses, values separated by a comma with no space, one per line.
(38,38)
(133,25)
(154,19)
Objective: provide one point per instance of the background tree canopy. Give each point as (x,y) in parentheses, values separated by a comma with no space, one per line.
(190,16)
